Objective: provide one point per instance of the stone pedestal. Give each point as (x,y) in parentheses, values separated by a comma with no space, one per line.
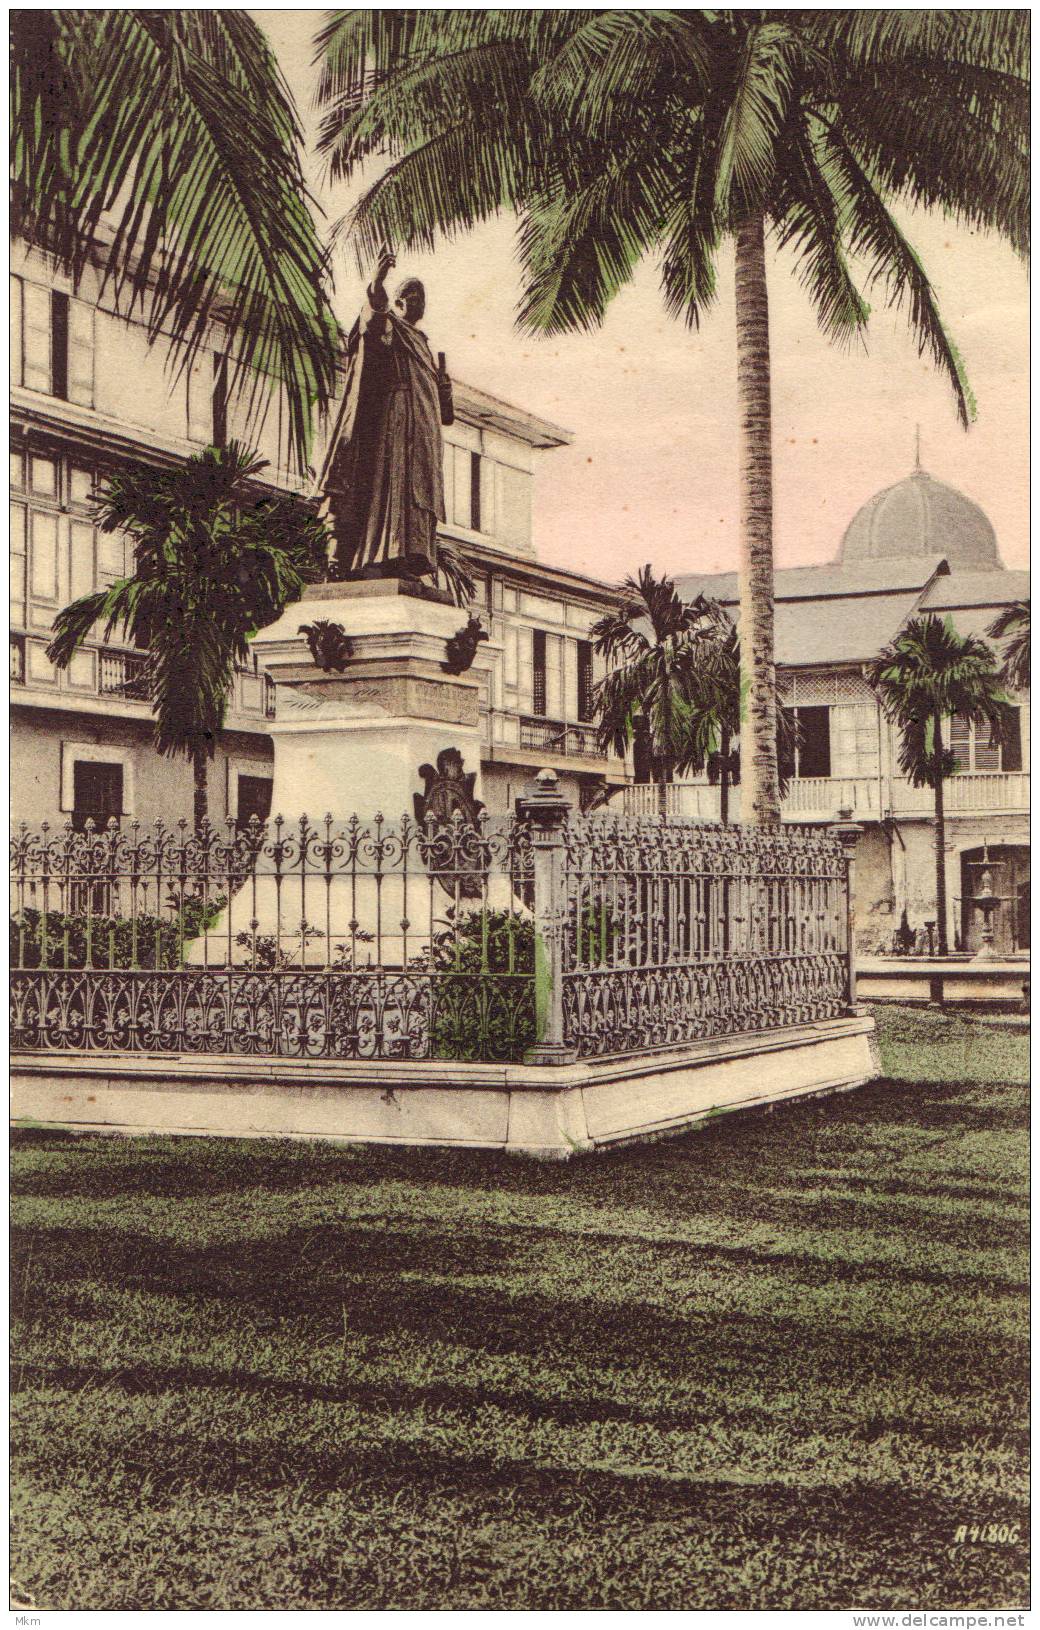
(353,743)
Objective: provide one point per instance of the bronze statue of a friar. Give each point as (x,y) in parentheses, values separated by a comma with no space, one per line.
(383,477)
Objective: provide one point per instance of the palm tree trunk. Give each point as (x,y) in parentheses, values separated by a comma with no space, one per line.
(200,771)
(724,779)
(940,847)
(663,778)
(760,787)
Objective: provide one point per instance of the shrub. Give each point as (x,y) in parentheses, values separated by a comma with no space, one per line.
(482,987)
(76,940)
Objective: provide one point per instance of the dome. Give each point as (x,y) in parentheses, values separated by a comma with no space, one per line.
(921,516)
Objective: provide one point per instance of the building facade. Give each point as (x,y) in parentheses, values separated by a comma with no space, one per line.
(915,548)
(89,392)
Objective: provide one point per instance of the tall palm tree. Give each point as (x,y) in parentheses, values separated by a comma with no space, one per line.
(216,558)
(929,674)
(614,134)
(163,147)
(1012,626)
(650,644)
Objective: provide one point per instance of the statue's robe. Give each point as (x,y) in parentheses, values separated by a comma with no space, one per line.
(384,477)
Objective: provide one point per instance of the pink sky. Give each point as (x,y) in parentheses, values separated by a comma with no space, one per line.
(652,474)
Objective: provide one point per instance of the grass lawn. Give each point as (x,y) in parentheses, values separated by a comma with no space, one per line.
(776,1363)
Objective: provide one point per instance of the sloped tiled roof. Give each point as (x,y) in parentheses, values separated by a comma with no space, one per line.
(977,589)
(836,614)
(832,614)
(817,582)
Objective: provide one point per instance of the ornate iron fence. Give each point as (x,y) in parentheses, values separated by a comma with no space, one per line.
(363,939)
(662,932)
(544,935)
(678,932)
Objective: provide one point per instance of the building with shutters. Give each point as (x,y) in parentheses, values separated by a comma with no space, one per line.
(87,392)
(917,547)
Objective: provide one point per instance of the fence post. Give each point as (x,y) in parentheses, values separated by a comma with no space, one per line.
(848,832)
(547,810)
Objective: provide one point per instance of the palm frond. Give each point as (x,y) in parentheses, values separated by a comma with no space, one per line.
(764,83)
(930,673)
(872,232)
(453,574)
(216,558)
(164,148)
(810,223)
(1012,626)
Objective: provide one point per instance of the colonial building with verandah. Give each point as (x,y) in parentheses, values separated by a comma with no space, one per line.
(88,393)
(916,547)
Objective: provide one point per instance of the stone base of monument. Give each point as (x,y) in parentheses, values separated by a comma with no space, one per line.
(550,1112)
(351,741)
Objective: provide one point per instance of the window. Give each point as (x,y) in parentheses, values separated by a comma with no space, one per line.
(538,697)
(45,477)
(474,491)
(44,555)
(52,342)
(79,363)
(586,710)
(17,659)
(971,746)
(97,792)
(18,564)
(18,470)
(220,401)
(59,344)
(81,486)
(17,373)
(462,507)
(854,740)
(812,751)
(36,337)
(254,798)
(111,558)
(81,559)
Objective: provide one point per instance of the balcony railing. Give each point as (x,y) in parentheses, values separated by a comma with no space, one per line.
(552,736)
(822,798)
(121,673)
(982,790)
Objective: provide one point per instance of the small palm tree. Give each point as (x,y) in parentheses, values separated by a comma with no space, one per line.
(630,132)
(650,643)
(717,709)
(929,674)
(1012,625)
(163,146)
(716,702)
(216,558)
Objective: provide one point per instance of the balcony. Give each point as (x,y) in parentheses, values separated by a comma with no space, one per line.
(550,736)
(822,798)
(122,673)
(966,794)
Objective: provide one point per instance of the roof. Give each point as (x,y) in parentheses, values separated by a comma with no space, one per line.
(480,408)
(977,589)
(827,615)
(818,582)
